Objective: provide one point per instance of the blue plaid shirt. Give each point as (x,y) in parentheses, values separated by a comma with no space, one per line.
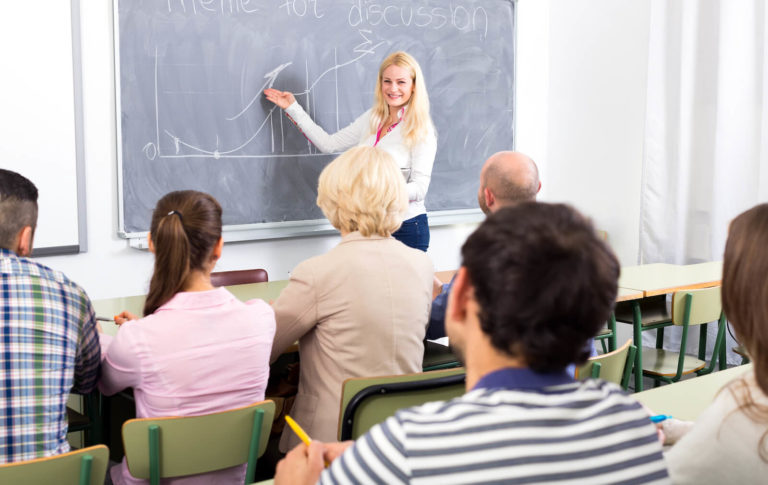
(48,346)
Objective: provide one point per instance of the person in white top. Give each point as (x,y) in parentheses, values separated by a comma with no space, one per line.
(399,123)
(729,441)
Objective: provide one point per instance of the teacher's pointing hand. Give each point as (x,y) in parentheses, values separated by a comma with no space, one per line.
(281,98)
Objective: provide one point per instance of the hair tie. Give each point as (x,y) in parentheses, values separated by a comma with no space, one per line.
(178,214)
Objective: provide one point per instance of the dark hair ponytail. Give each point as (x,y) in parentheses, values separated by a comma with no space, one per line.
(185,227)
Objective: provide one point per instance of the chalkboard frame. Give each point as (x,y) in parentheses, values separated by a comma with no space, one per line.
(285,229)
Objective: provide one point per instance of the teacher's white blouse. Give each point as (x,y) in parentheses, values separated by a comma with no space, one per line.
(415,163)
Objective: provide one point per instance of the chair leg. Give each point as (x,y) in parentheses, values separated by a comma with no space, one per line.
(602,344)
(724,356)
(637,330)
(595,370)
(92,403)
(154,455)
(253,450)
(660,338)
(703,342)
(612,326)
(85,470)
(628,367)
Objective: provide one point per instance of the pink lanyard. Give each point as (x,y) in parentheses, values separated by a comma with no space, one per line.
(378,133)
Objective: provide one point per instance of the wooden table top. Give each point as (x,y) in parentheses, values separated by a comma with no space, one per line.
(445,276)
(110,307)
(635,282)
(627,294)
(687,399)
(661,278)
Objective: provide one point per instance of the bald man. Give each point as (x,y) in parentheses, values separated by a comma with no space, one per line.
(507,178)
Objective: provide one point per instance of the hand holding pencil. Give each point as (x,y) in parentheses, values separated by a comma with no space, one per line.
(304,463)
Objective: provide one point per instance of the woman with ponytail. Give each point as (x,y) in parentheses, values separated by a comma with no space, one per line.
(198,349)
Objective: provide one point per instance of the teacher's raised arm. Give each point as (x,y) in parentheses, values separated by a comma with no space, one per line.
(398,122)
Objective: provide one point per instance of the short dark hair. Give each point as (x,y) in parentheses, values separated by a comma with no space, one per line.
(18,206)
(544,281)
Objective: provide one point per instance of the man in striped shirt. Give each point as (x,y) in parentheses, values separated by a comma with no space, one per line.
(523,418)
(48,340)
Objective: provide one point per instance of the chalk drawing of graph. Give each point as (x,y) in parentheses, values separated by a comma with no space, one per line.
(184,149)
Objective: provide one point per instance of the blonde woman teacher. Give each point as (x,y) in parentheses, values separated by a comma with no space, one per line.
(398,123)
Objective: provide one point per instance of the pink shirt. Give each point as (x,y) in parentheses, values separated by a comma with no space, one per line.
(202,352)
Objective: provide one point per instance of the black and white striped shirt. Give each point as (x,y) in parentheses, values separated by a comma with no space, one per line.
(574,432)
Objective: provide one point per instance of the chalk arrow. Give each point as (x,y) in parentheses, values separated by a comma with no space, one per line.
(271,76)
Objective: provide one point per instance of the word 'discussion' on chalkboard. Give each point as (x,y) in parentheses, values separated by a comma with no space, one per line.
(192,114)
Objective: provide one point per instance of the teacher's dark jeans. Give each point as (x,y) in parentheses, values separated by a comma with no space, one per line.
(414,232)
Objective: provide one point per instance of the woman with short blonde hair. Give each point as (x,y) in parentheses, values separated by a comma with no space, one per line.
(399,123)
(361,309)
(363,191)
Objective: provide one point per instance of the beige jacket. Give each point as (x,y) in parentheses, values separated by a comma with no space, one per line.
(359,310)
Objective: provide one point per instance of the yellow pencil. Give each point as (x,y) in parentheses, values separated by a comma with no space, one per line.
(301,434)
(297,429)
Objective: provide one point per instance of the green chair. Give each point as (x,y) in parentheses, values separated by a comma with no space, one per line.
(644,314)
(158,448)
(608,334)
(691,307)
(368,401)
(437,356)
(87,466)
(614,366)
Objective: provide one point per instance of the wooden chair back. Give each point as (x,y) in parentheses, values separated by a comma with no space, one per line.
(703,306)
(614,366)
(171,447)
(87,466)
(367,401)
(240,277)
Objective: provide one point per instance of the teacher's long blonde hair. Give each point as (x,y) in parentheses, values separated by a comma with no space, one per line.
(417,121)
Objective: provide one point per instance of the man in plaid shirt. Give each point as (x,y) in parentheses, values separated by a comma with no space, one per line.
(48,340)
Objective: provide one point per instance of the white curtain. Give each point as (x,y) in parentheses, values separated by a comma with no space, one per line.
(706,134)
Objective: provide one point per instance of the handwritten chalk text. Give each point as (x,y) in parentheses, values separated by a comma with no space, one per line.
(376,12)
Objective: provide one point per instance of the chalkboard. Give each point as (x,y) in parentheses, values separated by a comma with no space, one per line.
(192,113)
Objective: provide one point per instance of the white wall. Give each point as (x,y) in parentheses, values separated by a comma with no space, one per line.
(597,85)
(580,112)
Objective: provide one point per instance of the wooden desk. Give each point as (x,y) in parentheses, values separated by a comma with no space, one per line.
(445,276)
(687,399)
(109,307)
(628,294)
(660,279)
(624,294)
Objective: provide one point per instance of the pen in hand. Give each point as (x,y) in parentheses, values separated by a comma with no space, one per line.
(658,418)
(303,436)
